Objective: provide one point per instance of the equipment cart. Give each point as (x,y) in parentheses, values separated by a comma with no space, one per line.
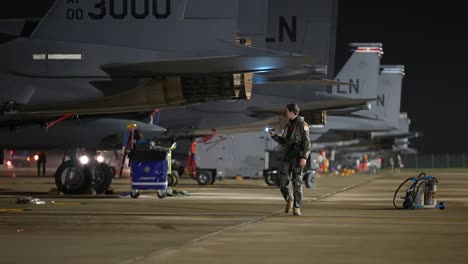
(273,160)
(148,170)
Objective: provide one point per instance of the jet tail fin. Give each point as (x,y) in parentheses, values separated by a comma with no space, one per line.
(361,71)
(387,106)
(303,27)
(146,24)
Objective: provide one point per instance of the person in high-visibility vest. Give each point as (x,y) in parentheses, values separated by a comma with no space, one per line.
(191,162)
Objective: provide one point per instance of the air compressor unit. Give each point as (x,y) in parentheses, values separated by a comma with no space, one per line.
(422,193)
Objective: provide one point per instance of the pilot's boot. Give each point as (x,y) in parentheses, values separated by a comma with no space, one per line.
(289,206)
(297,211)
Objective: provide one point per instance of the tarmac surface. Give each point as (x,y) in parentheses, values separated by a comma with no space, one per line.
(345,220)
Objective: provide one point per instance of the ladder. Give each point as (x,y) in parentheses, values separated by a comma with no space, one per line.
(127,144)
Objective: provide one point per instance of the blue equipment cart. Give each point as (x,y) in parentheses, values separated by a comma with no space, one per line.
(148,170)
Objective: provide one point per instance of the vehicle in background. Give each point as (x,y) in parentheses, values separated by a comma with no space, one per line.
(19,159)
(359,162)
(374,165)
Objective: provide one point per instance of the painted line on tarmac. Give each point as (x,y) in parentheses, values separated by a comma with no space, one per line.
(278,212)
(68,203)
(193,241)
(131,213)
(340,190)
(383,220)
(13,210)
(232,227)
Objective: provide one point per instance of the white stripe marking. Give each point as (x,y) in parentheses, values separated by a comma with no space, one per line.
(39,56)
(64,56)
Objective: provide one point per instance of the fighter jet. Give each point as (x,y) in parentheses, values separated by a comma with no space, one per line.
(164,53)
(361,71)
(383,147)
(384,141)
(264,109)
(267,103)
(35,94)
(130,72)
(392,140)
(383,115)
(396,140)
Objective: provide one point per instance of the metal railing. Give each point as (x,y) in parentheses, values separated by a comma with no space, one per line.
(447,160)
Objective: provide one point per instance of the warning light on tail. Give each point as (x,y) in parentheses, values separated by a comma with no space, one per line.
(380,160)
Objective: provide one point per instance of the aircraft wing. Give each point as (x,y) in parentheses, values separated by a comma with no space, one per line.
(260,125)
(143,99)
(297,75)
(120,85)
(312,82)
(335,144)
(208,65)
(52,113)
(385,135)
(314,106)
(349,112)
(242,128)
(102,133)
(43,116)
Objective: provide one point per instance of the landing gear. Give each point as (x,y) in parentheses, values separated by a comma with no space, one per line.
(71,178)
(83,176)
(102,178)
(8,107)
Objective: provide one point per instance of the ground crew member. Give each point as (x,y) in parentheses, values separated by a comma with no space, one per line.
(296,145)
(392,164)
(41,161)
(399,163)
(191,160)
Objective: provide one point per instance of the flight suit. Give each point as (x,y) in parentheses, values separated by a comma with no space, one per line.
(296,145)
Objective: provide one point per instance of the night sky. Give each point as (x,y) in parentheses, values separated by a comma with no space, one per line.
(428,38)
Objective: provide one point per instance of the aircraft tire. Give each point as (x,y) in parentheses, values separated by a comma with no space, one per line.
(72,179)
(103,174)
